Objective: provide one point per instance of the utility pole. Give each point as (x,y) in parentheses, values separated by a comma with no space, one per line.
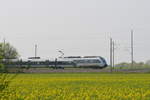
(35,50)
(132,51)
(111,54)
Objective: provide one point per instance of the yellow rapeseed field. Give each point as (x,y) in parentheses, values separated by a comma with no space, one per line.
(78,86)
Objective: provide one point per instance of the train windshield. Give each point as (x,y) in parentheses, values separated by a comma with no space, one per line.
(103,60)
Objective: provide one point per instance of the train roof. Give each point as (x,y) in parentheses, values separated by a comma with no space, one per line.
(91,56)
(82,57)
(69,58)
(73,57)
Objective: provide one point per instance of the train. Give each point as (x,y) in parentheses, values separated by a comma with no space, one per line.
(59,63)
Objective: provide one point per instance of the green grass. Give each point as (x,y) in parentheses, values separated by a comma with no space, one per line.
(79,86)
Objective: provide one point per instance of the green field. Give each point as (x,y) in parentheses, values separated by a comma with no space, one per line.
(78,86)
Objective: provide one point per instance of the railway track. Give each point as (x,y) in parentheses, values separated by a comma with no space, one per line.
(74,70)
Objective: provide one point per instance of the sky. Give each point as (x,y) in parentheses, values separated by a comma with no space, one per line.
(77,27)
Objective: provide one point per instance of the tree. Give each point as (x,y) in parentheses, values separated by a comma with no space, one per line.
(8,51)
(3,78)
(1,58)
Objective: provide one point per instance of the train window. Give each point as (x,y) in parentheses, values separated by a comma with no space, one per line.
(88,61)
(82,61)
(38,63)
(96,61)
(51,63)
(64,63)
(24,63)
(33,63)
(41,63)
(60,63)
